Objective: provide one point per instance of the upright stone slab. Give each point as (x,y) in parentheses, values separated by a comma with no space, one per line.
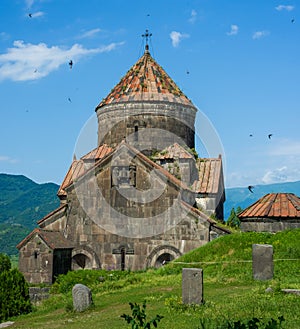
(82,297)
(192,286)
(262,261)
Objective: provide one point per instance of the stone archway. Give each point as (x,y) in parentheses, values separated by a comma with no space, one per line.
(162,255)
(85,258)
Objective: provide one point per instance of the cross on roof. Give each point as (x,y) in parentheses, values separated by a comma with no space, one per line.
(147,36)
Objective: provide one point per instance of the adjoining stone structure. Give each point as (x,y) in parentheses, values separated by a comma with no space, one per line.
(141,198)
(273,212)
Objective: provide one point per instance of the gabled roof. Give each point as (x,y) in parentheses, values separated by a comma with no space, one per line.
(274,205)
(54,240)
(174,151)
(210,171)
(54,212)
(78,167)
(146,81)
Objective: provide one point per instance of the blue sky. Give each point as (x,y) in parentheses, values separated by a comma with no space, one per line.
(238,61)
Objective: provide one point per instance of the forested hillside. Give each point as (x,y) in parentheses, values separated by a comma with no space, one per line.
(22,203)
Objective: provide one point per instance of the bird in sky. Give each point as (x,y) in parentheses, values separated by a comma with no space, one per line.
(292,20)
(270,135)
(250,188)
(30,15)
(71,63)
(250,135)
(187,72)
(69,99)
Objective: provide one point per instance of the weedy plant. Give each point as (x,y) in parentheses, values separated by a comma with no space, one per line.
(138,318)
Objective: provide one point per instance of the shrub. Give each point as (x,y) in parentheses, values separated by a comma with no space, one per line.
(5,264)
(14,294)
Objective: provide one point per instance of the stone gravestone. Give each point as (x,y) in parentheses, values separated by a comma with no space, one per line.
(82,297)
(192,286)
(262,261)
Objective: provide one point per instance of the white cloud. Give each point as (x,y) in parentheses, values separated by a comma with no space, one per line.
(259,34)
(233,30)
(281,175)
(89,34)
(193,17)
(4,158)
(30,62)
(285,7)
(176,37)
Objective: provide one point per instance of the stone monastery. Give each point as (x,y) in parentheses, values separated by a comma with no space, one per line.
(142,198)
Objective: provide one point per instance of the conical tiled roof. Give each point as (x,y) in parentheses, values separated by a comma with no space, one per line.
(274,205)
(146,81)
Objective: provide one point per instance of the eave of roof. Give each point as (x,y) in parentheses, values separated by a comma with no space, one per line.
(57,210)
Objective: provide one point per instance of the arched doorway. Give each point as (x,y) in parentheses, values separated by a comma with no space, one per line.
(80,261)
(163,259)
(85,258)
(162,255)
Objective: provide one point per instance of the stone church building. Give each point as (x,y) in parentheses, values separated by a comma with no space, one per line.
(140,199)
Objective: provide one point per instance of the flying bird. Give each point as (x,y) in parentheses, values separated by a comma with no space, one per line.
(270,135)
(187,72)
(30,15)
(292,20)
(69,99)
(250,188)
(71,63)
(250,135)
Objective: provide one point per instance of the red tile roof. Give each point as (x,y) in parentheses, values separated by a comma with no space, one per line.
(54,240)
(146,81)
(274,205)
(78,167)
(98,153)
(174,151)
(210,171)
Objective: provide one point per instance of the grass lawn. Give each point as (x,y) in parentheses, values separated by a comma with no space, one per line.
(230,293)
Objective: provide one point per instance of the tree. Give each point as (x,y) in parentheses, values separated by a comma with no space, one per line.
(5,264)
(233,219)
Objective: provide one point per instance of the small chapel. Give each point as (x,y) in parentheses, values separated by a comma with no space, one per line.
(141,198)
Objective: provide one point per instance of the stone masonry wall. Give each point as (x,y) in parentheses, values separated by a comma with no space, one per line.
(117,121)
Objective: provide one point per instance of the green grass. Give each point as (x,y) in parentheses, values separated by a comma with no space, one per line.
(230,293)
